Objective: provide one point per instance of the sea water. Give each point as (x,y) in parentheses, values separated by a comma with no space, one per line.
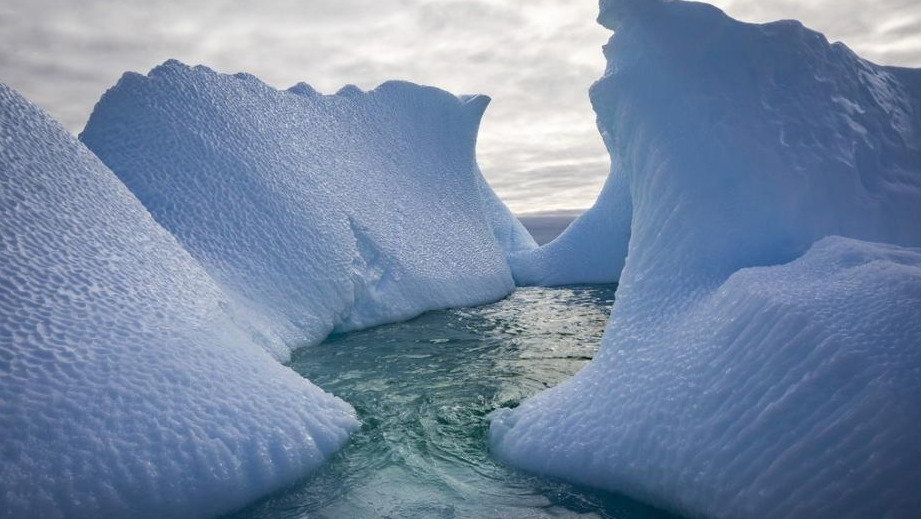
(424,390)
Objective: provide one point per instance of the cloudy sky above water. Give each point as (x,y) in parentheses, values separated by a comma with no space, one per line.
(538,145)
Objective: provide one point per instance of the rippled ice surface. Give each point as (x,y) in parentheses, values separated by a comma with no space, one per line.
(423,390)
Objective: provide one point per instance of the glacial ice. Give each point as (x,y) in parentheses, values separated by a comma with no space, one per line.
(832,139)
(591,250)
(764,212)
(128,386)
(791,391)
(317,213)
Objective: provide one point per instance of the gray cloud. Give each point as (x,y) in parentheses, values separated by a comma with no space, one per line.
(538,145)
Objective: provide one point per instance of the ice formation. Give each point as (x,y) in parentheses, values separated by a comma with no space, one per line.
(740,375)
(832,138)
(591,250)
(127,388)
(318,213)
(792,391)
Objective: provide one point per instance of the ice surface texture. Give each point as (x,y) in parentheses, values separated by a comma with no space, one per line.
(317,213)
(126,388)
(792,391)
(778,137)
(741,376)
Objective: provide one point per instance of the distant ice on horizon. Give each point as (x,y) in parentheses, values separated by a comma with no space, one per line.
(545,226)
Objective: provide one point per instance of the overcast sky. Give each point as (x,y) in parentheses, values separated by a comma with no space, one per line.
(538,145)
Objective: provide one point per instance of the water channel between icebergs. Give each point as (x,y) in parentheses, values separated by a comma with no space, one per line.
(424,390)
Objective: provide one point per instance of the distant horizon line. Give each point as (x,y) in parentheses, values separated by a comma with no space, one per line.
(551,213)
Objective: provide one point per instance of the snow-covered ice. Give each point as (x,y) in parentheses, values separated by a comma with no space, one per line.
(129,387)
(318,213)
(740,375)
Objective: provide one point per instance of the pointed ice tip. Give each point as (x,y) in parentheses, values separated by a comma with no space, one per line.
(166,67)
(612,13)
(173,63)
(475,105)
(475,100)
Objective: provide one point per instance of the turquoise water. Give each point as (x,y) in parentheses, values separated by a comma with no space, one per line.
(424,389)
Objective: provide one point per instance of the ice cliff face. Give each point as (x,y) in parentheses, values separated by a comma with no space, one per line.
(128,387)
(317,213)
(740,375)
(791,391)
(787,139)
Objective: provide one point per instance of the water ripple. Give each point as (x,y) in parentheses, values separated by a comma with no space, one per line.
(424,390)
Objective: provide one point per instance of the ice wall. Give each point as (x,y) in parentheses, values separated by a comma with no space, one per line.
(318,213)
(787,138)
(741,376)
(792,391)
(591,250)
(128,385)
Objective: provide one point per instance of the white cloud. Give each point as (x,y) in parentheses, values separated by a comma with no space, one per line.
(537,58)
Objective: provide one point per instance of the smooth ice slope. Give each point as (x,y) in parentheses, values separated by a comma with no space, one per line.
(126,389)
(591,250)
(721,388)
(512,236)
(318,213)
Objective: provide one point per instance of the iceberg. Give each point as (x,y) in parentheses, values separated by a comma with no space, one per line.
(763,218)
(832,138)
(791,391)
(316,213)
(129,384)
